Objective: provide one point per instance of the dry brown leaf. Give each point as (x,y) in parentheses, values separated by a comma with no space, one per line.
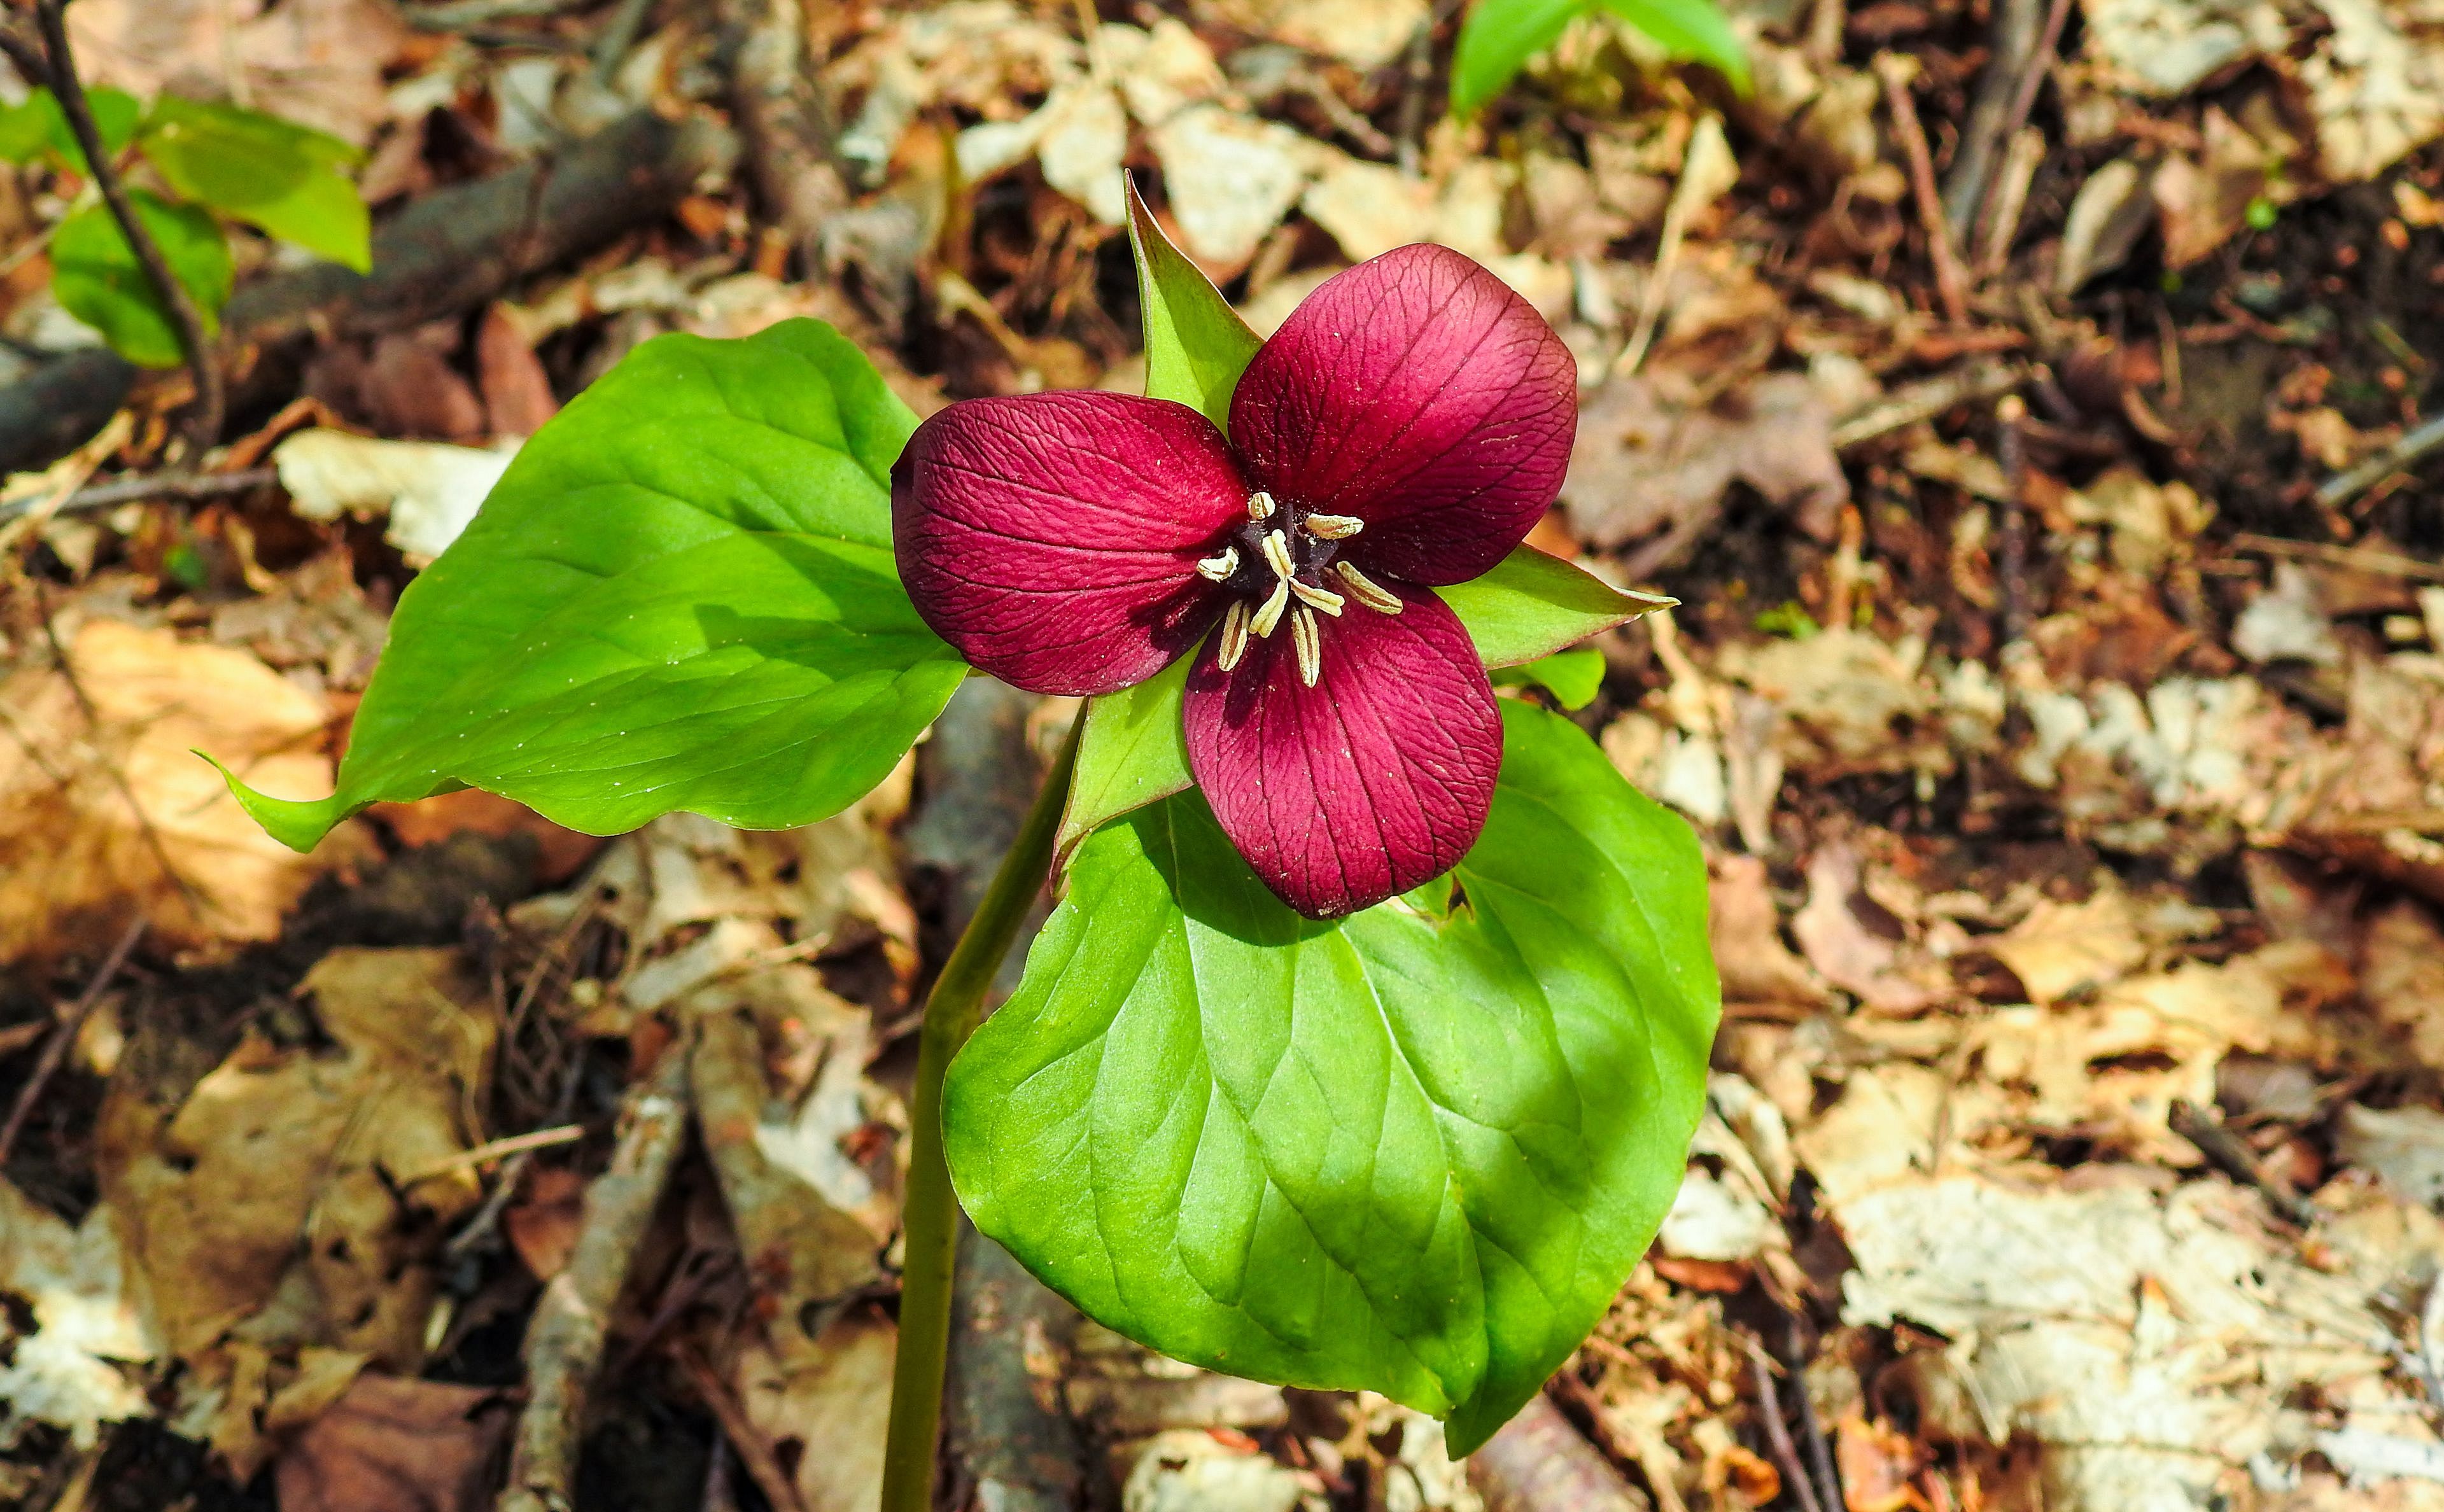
(316,62)
(543,1224)
(2062,950)
(1851,956)
(826,1410)
(1746,933)
(559,853)
(74,854)
(391,1445)
(517,391)
(295,1197)
(1651,475)
(2401,974)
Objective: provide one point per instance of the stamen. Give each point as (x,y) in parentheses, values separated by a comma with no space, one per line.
(1260,506)
(1219,567)
(1367,591)
(1268,613)
(1277,551)
(1234,634)
(1309,643)
(1322,601)
(1334,526)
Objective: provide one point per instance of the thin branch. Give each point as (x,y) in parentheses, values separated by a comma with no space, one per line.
(183,486)
(1898,71)
(204,423)
(25,54)
(565,1342)
(55,1050)
(1777,1433)
(2415,443)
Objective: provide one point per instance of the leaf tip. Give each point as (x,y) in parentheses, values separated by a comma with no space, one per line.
(298,823)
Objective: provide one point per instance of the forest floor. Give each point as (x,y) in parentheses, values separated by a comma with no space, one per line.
(2024,404)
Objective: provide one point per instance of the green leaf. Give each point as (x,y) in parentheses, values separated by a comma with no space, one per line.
(1133,752)
(287,180)
(1574,676)
(1399,1152)
(1196,343)
(1689,28)
(36,125)
(1496,40)
(681,596)
(97,279)
(1531,605)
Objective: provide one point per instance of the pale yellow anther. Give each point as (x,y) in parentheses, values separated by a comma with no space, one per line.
(1268,613)
(1277,552)
(1234,634)
(1367,591)
(1260,506)
(1322,601)
(1334,526)
(1221,566)
(1309,643)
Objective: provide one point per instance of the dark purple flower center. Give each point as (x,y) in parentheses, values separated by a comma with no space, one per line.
(1281,567)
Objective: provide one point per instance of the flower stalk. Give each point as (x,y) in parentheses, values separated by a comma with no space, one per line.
(930,1214)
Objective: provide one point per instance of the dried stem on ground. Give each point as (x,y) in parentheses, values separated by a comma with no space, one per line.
(1777,1433)
(2016,35)
(572,1317)
(204,421)
(55,1049)
(1896,70)
(1539,1462)
(2415,443)
(159,486)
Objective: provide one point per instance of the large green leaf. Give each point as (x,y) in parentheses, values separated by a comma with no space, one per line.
(1531,605)
(97,279)
(289,181)
(1496,40)
(681,596)
(1196,343)
(1403,1152)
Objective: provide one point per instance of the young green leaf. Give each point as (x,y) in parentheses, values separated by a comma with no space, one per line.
(1196,343)
(1531,605)
(1496,40)
(1574,676)
(1133,752)
(1399,1152)
(1692,29)
(287,180)
(36,125)
(681,596)
(97,279)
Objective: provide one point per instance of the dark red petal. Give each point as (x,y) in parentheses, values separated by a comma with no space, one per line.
(1418,393)
(1053,538)
(1375,780)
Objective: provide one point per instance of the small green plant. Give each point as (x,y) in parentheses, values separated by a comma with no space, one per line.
(1500,36)
(211,164)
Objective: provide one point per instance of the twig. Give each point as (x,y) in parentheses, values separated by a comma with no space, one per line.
(55,1050)
(565,1342)
(1819,1453)
(1924,401)
(2230,1154)
(2357,559)
(2415,443)
(2016,28)
(204,424)
(619,35)
(184,486)
(1951,280)
(457,15)
(1777,1433)
(2033,75)
(1416,70)
(491,1149)
(754,1450)
(2012,414)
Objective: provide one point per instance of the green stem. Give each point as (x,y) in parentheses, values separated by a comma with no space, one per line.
(930,1216)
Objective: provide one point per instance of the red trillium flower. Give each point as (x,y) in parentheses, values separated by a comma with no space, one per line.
(1401,433)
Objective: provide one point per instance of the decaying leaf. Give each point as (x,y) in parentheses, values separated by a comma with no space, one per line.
(283,1215)
(2064,949)
(79,1362)
(104,806)
(429,490)
(394,1445)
